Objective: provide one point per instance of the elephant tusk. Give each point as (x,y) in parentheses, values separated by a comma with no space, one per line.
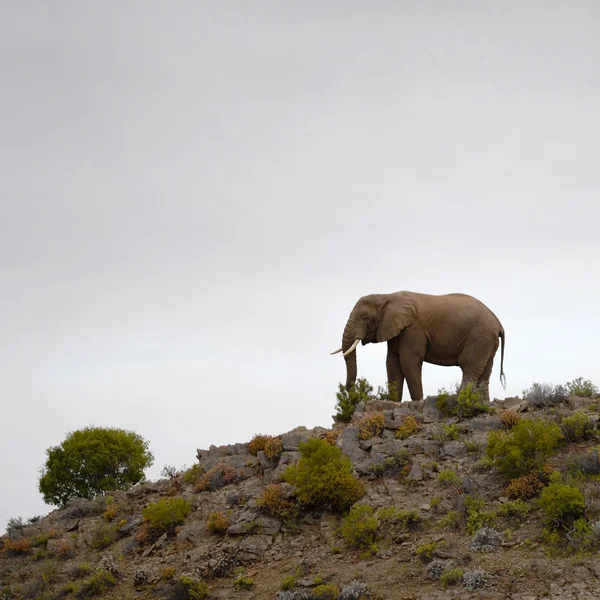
(352,348)
(338,350)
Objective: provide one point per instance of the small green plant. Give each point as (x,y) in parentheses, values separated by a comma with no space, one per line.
(449,478)
(562,504)
(469,403)
(409,426)
(193,474)
(476,515)
(326,591)
(347,400)
(448,433)
(514,510)
(577,427)
(586,465)
(360,526)
(582,388)
(165,514)
(323,477)
(189,588)
(390,392)
(399,462)
(103,536)
(525,447)
(289,582)
(217,523)
(425,551)
(371,425)
(473,447)
(451,577)
(96,585)
(243,582)
(452,520)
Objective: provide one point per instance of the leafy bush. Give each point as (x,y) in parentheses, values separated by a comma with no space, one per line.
(258,443)
(509,418)
(96,585)
(543,394)
(451,577)
(585,464)
(216,477)
(14,524)
(165,514)
(408,427)
(530,485)
(577,427)
(469,404)
(243,582)
(448,477)
(425,551)
(486,539)
(475,580)
(191,475)
(582,388)
(274,448)
(91,461)
(370,426)
(406,519)
(103,536)
(347,400)
(514,510)
(390,392)
(399,462)
(360,526)
(217,523)
(525,447)
(326,591)
(14,547)
(323,477)
(562,504)
(274,502)
(475,514)
(189,588)
(448,433)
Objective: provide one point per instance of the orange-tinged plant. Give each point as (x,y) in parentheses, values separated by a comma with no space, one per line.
(217,523)
(409,425)
(371,426)
(217,477)
(257,443)
(273,448)
(509,418)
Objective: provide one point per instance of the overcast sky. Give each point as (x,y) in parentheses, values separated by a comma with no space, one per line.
(195,194)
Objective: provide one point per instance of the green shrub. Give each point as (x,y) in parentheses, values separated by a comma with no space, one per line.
(165,514)
(91,461)
(585,464)
(390,392)
(289,583)
(399,462)
(347,400)
(469,404)
(582,388)
(243,582)
(476,515)
(448,433)
(193,474)
(562,504)
(103,536)
(360,526)
(514,510)
(190,588)
(451,577)
(406,519)
(425,551)
(326,591)
(577,427)
(448,477)
(323,477)
(525,447)
(96,585)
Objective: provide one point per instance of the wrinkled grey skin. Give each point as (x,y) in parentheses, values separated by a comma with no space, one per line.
(446,330)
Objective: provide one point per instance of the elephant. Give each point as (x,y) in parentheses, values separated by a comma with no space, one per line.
(446,329)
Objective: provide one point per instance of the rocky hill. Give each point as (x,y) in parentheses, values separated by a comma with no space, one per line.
(433,515)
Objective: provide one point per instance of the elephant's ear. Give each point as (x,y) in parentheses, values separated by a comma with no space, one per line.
(398,313)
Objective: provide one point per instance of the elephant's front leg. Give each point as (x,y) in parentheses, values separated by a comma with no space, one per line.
(394,371)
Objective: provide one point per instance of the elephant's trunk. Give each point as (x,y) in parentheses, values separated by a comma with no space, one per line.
(347,340)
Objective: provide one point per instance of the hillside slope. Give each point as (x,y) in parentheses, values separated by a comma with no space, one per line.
(436,483)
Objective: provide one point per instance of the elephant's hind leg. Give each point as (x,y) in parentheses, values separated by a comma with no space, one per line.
(394,371)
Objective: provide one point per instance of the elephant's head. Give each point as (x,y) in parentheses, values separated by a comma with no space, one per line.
(375,318)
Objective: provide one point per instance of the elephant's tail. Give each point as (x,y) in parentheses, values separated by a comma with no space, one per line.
(502,376)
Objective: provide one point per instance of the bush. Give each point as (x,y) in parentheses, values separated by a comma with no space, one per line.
(436,567)
(355,590)
(96,585)
(217,523)
(509,418)
(274,448)
(408,427)
(543,394)
(448,433)
(217,477)
(577,427)
(514,510)
(360,526)
(475,580)
(451,577)
(243,582)
(448,477)
(486,539)
(399,462)
(258,443)
(582,388)
(103,536)
(473,510)
(406,519)
(274,502)
(189,588)
(585,464)
(562,504)
(525,447)
(390,392)
(326,591)
(323,477)
(91,461)
(469,404)
(371,426)
(530,485)
(425,551)
(347,400)
(165,514)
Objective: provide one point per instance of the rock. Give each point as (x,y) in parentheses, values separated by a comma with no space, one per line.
(292,439)
(425,507)
(132,524)
(455,449)
(348,443)
(253,547)
(191,531)
(430,411)
(416,473)
(265,462)
(373,406)
(503,499)
(484,423)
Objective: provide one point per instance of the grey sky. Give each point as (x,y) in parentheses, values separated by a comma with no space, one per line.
(195,194)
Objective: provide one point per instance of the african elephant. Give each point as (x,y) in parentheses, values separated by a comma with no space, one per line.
(447,330)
